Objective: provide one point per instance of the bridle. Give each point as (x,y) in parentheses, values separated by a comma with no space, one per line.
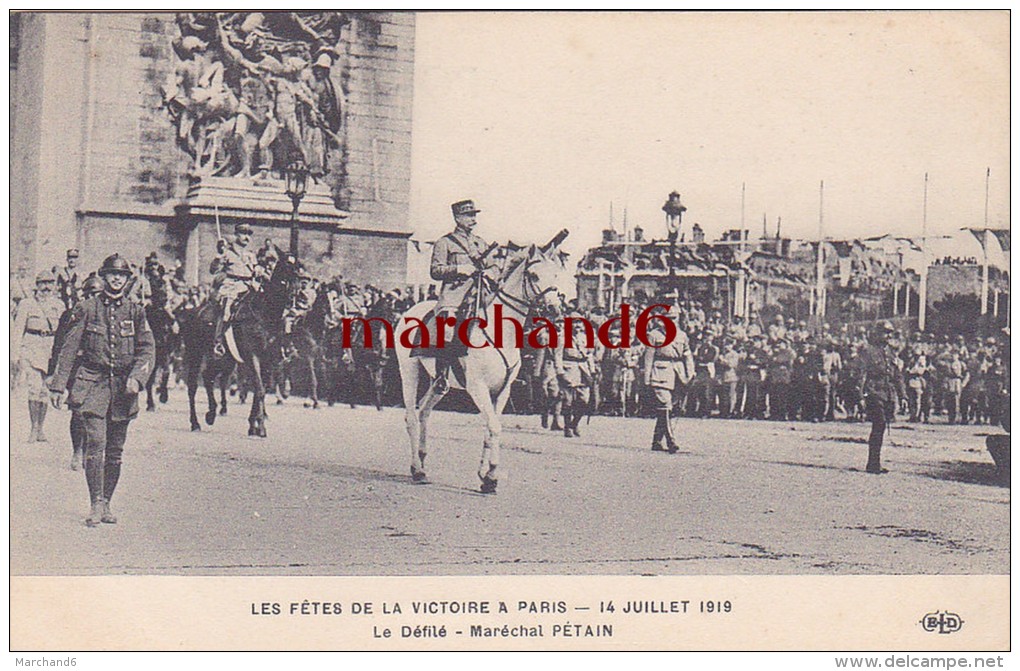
(531,293)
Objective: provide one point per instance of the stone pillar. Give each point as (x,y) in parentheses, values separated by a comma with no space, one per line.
(51,98)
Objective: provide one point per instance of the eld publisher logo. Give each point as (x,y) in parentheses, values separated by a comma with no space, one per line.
(942,622)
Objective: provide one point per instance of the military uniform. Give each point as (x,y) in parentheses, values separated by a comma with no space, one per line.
(456,259)
(664,366)
(876,363)
(67,281)
(108,345)
(235,270)
(575,370)
(31,345)
(549,384)
(454,253)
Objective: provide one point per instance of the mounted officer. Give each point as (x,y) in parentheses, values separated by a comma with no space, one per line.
(664,366)
(32,341)
(235,270)
(457,261)
(110,351)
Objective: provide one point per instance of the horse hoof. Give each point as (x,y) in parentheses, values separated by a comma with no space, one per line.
(223,410)
(488,485)
(279,401)
(315,406)
(150,407)
(210,417)
(252,431)
(163,397)
(196,427)
(419,477)
(262,433)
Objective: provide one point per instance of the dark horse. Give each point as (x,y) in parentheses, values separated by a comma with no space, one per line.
(164,332)
(306,344)
(256,323)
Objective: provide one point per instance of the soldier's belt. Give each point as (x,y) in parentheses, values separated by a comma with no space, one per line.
(668,358)
(101,369)
(39,332)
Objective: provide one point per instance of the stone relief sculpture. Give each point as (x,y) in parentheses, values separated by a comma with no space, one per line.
(251,92)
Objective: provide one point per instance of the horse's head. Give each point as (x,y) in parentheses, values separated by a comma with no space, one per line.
(533,272)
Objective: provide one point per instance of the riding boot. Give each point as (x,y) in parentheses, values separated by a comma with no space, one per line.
(576,420)
(567,419)
(218,348)
(545,420)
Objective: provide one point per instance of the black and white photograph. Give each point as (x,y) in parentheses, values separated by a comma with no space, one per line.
(591,323)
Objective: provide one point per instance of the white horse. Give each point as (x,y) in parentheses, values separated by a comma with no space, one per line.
(528,274)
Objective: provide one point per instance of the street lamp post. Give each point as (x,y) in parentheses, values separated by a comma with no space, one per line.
(296,176)
(674,210)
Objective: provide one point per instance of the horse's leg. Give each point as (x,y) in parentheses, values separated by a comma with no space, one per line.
(480,394)
(378,382)
(313,380)
(409,388)
(257,417)
(210,383)
(164,382)
(426,406)
(192,381)
(224,382)
(150,403)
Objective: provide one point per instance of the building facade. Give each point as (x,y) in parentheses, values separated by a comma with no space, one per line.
(100,156)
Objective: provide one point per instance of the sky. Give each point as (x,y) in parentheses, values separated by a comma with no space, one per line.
(547,118)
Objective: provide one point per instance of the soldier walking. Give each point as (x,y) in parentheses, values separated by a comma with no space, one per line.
(575,370)
(110,350)
(665,365)
(89,288)
(31,344)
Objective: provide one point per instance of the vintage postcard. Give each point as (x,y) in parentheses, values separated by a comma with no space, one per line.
(382,331)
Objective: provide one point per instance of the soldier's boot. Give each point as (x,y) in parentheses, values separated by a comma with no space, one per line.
(567,418)
(671,445)
(107,517)
(573,425)
(33,416)
(545,420)
(95,517)
(40,436)
(875,451)
(660,431)
(556,408)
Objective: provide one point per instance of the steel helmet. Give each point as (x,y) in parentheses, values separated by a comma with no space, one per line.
(115,264)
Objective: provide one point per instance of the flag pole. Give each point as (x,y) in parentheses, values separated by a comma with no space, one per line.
(922,289)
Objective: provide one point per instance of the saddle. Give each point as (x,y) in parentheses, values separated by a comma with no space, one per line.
(451,344)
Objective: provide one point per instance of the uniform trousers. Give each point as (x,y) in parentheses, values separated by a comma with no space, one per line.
(104,448)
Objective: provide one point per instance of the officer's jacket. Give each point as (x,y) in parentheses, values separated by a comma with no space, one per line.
(663,365)
(876,364)
(67,285)
(32,335)
(236,263)
(110,342)
(545,358)
(451,250)
(575,365)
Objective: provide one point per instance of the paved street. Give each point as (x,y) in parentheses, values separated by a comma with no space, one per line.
(328,493)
